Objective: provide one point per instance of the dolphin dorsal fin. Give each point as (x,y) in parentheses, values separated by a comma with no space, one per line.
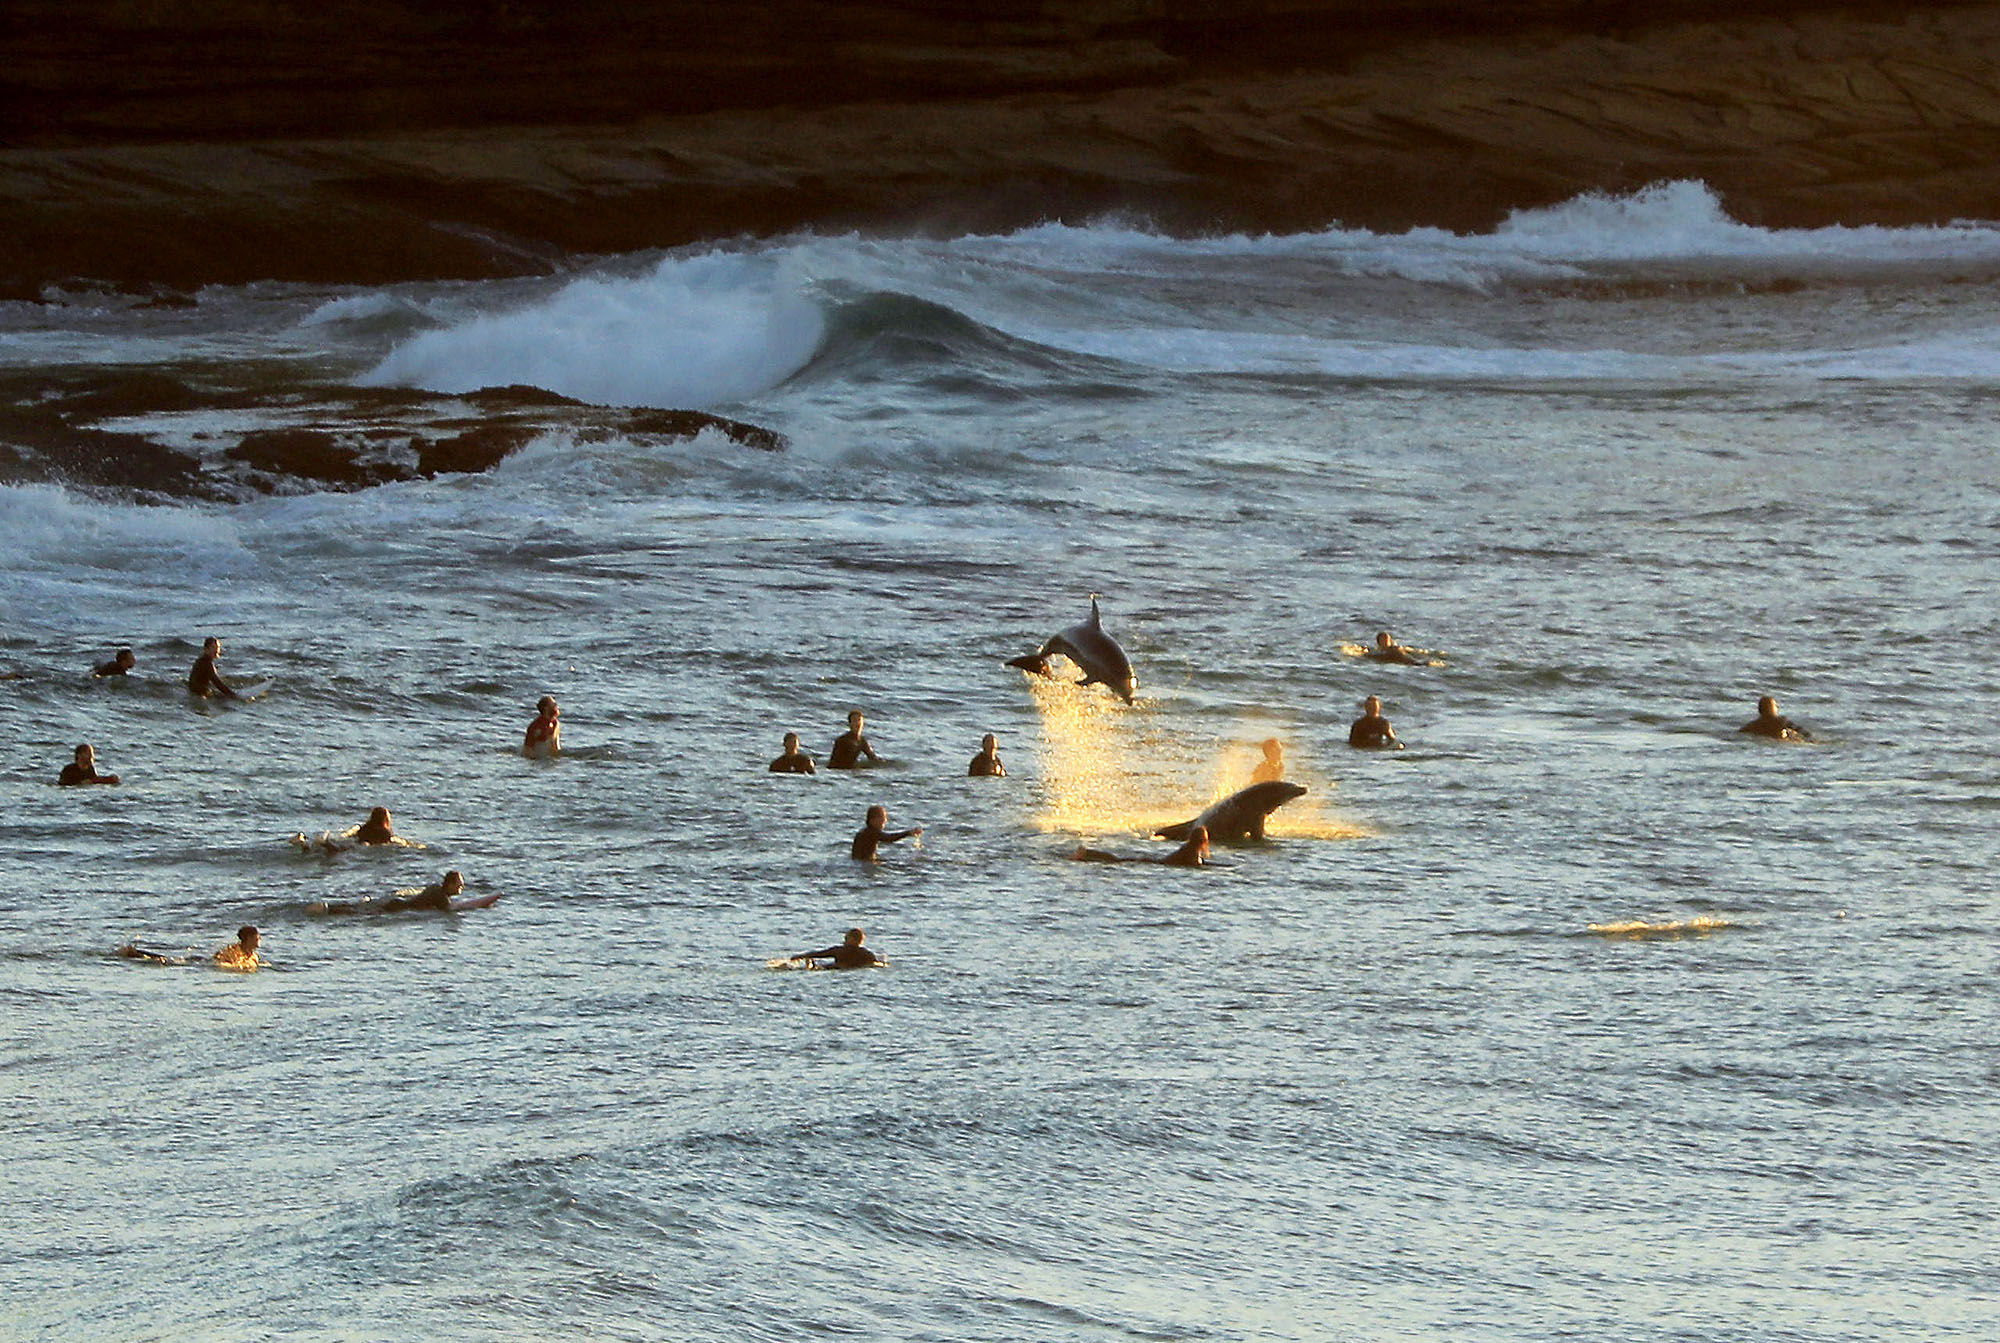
(1096,621)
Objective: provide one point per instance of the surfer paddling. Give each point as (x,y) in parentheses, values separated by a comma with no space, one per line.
(850,746)
(986,765)
(794,760)
(1386,649)
(121,662)
(83,769)
(443,898)
(543,738)
(238,955)
(849,955)
(1371,731)
(876,833)
(1768,723)
(204,682)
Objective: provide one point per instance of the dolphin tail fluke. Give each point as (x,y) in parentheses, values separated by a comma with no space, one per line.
(1175,832)
(1035,664)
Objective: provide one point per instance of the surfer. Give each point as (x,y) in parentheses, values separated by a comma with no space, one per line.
(439,899)
(876,833)
(543,738)
(850,746)
(1273,768)
(83,769)
(1371,731)
(849,955)
(1193,852)
(793,761)
(121,662)
(203,680)
(376,829)
(986,765)
(1386,649)
(1768,723)
(240,954)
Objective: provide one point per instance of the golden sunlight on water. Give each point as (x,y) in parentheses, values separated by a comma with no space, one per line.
(1107,768)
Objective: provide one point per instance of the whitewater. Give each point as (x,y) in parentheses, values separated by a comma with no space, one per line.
(1581,1016)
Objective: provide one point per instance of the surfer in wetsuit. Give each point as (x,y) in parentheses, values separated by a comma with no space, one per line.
(1386,649)
(203,680)
(850,746)
(240,954)
(1371,731)
(849,955)
(876,833)
(431,899)
(544,736)
(1193,852)
(120,663)
(1273,768)
(1770,723)
(83,769)
(986,765)
(376,829)
(793,761)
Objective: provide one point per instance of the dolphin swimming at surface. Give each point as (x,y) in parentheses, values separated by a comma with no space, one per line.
(1240,816)
(1089,647)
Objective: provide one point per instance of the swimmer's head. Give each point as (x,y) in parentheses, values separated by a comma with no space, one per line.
(1767,707)
(547,704)
(855,937)
(878,816)
(453,882)
(85,753)
(989,743)
(379,816)
(247,937)
(211,645)
(1199,838)
(1273,748)
(1372,706)
(854,719)
(125,658)
(791,743)
(1382,639)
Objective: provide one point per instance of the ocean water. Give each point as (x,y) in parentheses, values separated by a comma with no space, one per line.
(1582,1017)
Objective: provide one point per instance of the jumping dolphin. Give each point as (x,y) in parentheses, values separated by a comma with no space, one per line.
(1240,816)
(1089,647)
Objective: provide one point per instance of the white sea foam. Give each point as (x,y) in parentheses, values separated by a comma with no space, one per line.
(695,331)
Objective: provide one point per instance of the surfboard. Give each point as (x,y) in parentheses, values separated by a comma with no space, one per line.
(475,902)
(255,690)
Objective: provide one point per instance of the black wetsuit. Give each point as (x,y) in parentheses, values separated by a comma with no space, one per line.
(868,839)
(848,748)
(370,833)
(110,669)
(1371,733)
(798,762)
(1777,727)
(204,682)
(74,774)
(843,957)
(986,766)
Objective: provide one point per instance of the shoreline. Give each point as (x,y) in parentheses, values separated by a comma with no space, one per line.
(1793,119)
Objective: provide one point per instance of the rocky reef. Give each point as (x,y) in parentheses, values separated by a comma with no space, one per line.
(375,140)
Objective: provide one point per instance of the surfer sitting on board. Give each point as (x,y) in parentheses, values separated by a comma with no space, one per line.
(793,761)
(544,736)
(1273,768)
(849,955)
(83,769)
(203,680)
(1371,731)
(850,746)
(242,953)
(1193,852)
(986,765)
(1768,723)
(875,834)
(118,666)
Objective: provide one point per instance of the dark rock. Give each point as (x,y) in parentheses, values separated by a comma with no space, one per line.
(478,449)
(311,454)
